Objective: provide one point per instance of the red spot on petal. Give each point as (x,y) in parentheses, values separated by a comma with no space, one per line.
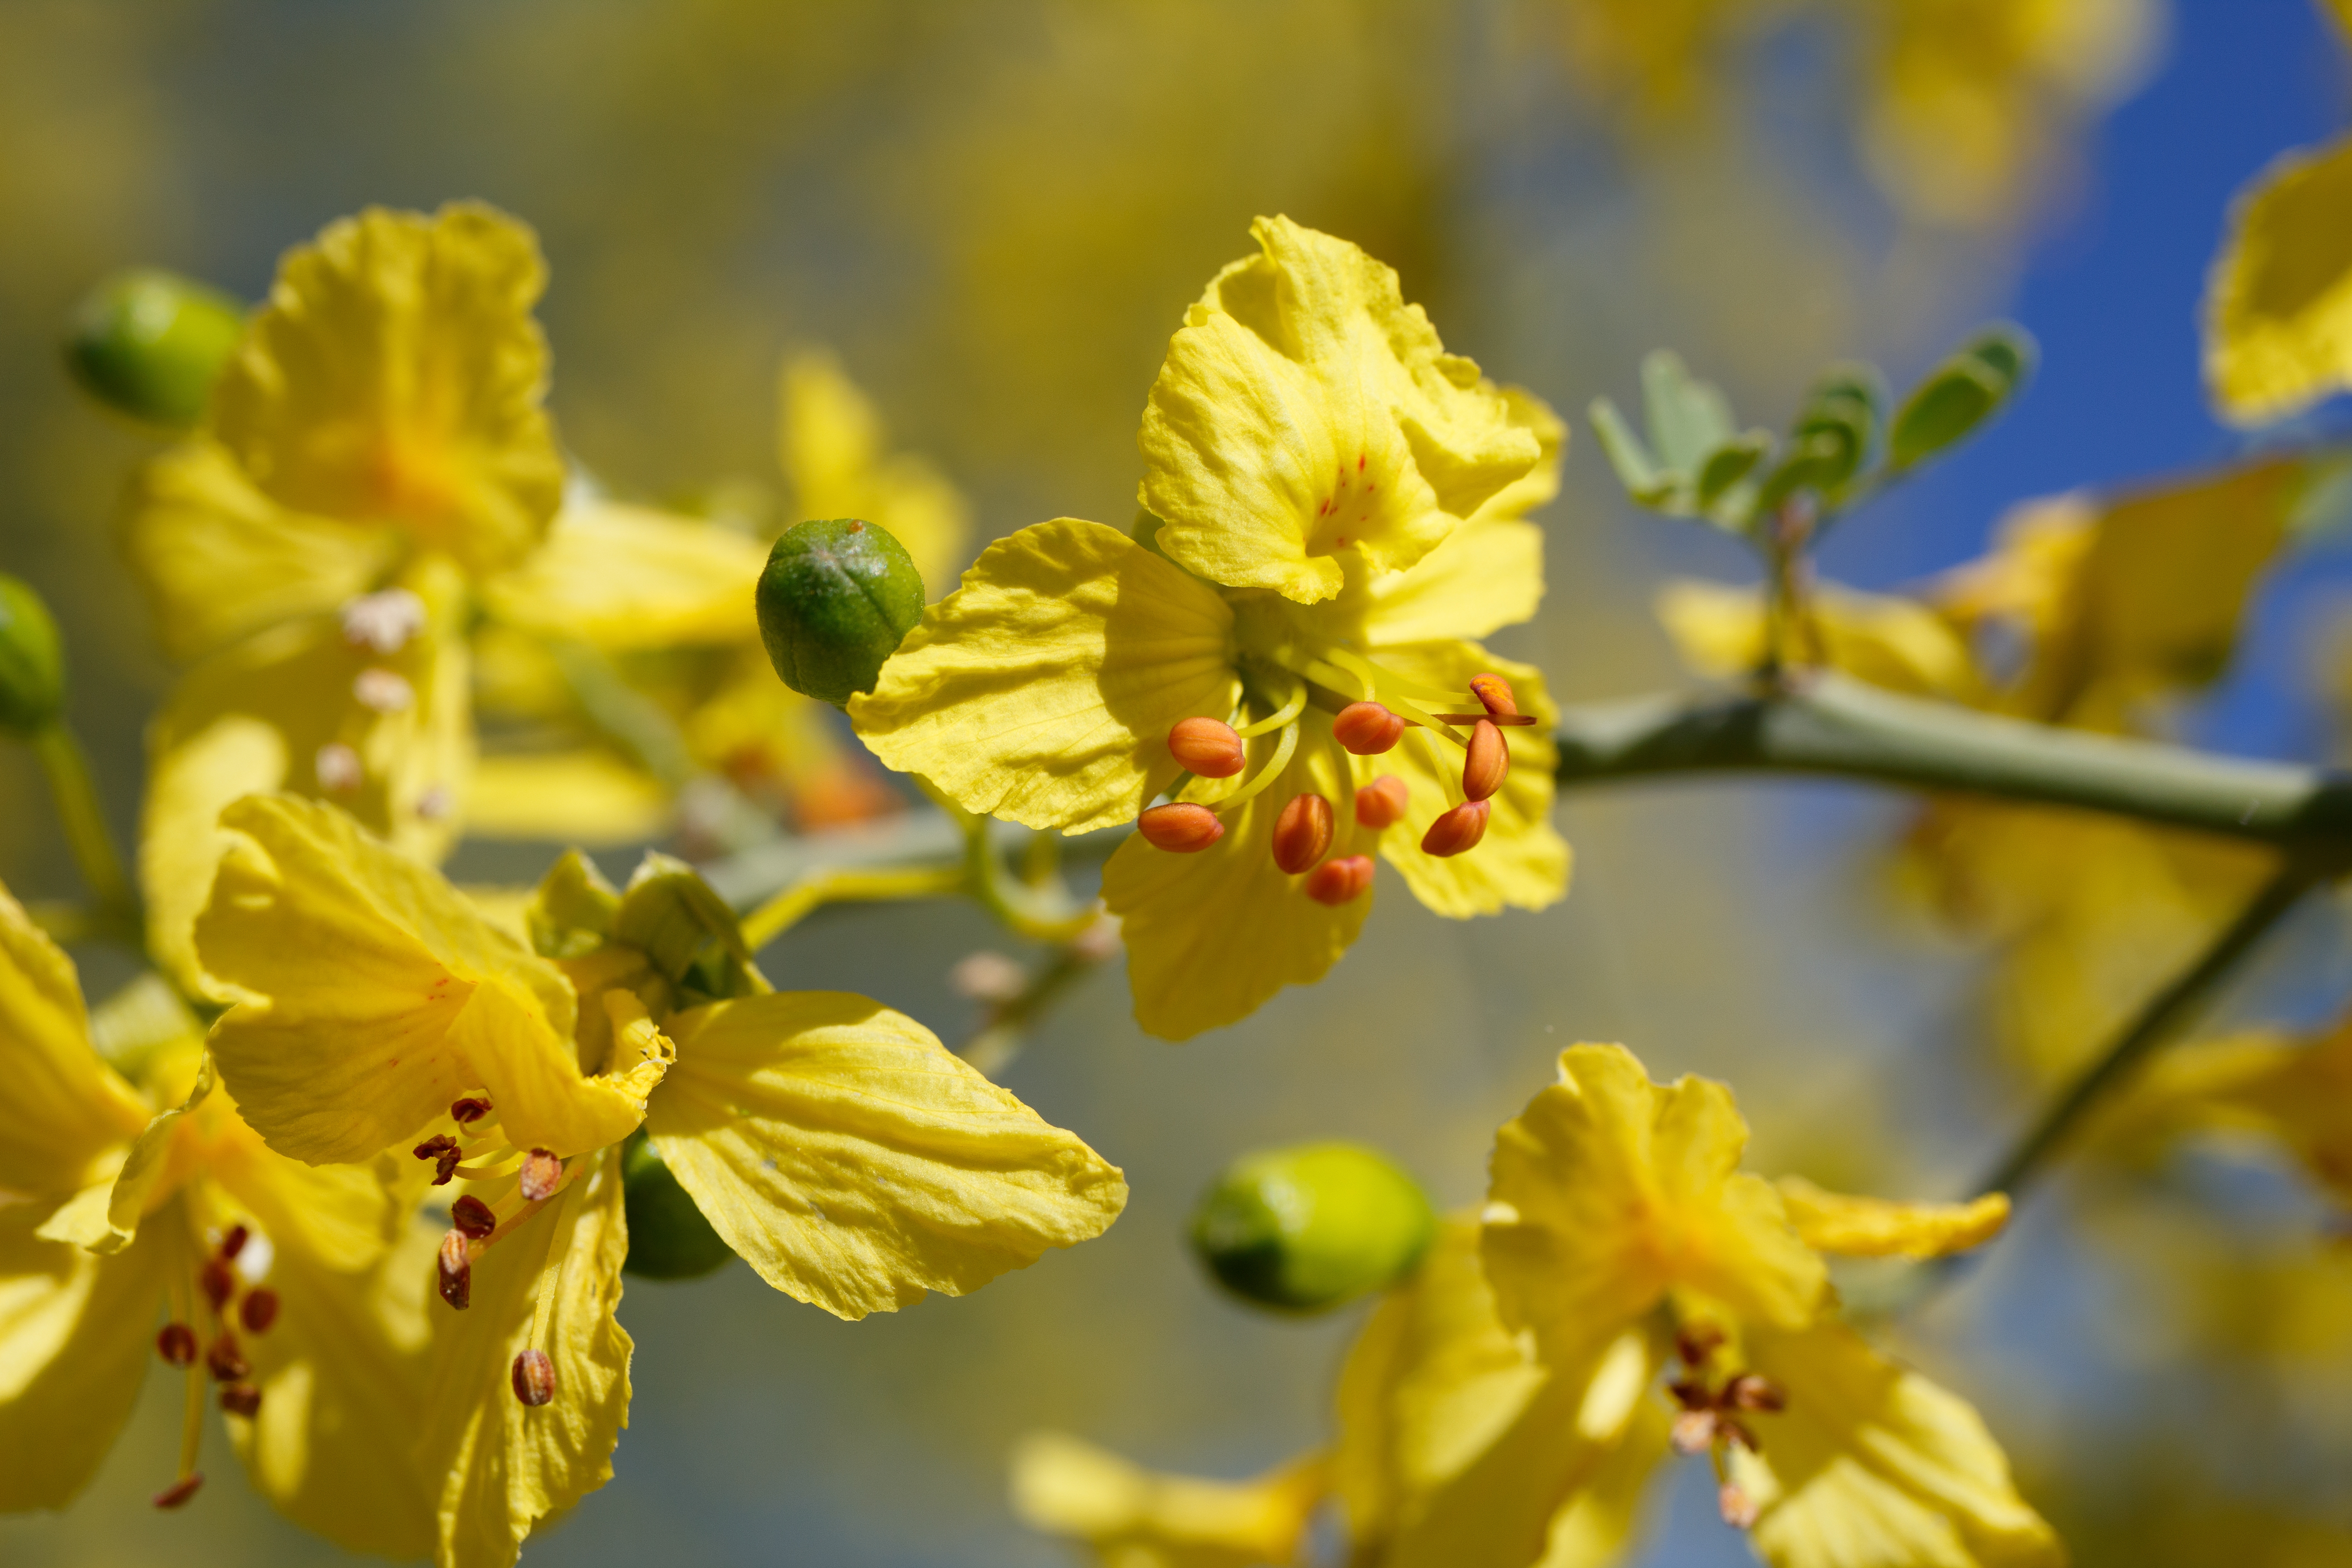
(1360,462)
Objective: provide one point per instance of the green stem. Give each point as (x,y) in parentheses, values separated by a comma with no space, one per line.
(75,793)
(846,885)
(1039,913)
(993,1047)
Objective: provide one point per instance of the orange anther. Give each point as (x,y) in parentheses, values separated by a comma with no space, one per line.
(1488,764)
(1458,829)
(1366,728)
(1340,881)
(534,1378)
(1181,828)
(457,1270)
(1381,803)
(1302,833)
(1207,747)
(1496,693)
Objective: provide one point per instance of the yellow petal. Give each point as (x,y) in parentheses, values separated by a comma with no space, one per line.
(1212,936)
(1871,1465)
(1488,574)
(220,560)
(1877,1227)
(76,1332)
(829,439)
(134,1188)
(1609,1191)
(855,1162)
(337,1217)
(1896,643)
(1136,1518)
(63,1108)
(396,375)
(587,797)
(1043,690)
(504,1467)
(2278,326)
(263,716)
(376,995)
(1305,409)
(2297,1093)
(1523,862)
(629,577)
(341,1375)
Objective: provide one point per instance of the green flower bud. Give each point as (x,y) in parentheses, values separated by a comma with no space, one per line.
(833,602)
(32,661)
(150,344)
(1306,1228)
(668,1237)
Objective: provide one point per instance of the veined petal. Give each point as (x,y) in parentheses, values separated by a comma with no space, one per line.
(220,560)
(375,996)
(341,1375)
(284,710)
(2278,328)
(1303,409)
(855,1162)
(63,1106)
(1871,1465)
(75,1335)
(1523,862)
(630,577)
(1609,1190)
(1212,936)
(395,374)
(1134,1518)
(504,1467)
(829,439)
(1043,690)
(1877,1227)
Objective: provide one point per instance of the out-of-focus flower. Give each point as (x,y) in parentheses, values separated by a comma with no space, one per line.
(1615,1198)
(1336,505)
(835,1144)
(2296,1094)
(136,1185)
(1134,1518)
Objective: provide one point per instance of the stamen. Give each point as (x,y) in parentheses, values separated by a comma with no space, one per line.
(1302,833)
(225,1361)
(1341,881)
(234,1242)
(1275,765)
(470,1109)
(474,1218)
(543,1173)
(1208,747)
(533,1378)
(1367,729)
(1504,719)
(338,768)
(179,1491)
(1697,1341)
(258,1310)
(1181,829)
(383,691)
(1756,1395)
(241,1399)
(218,1282)
(1457,831)
(177,1345)
(443,1150)
(382,622)
(1739,1509)
(457,1269)
(1692,1432)
(1381,803)
(1291,708)
(1494,692)
(1488,763)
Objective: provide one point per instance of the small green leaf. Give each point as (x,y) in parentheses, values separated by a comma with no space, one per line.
(1636,469)
(1960,394)
(1839,425)
(1688,417)
(1728,464)
(1818,463)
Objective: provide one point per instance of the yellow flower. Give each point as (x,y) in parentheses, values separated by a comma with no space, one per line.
(1617,1202)
(835,1144)
(376,444)
(1133,1518)
(1257,650)
(2296,1093)
(295,1288)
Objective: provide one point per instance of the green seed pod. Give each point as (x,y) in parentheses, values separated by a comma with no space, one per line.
(150,344)
(32,661)
(834,600)
(668,1237)
(1308,1228)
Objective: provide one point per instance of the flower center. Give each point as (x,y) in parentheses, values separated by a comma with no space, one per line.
(223,1295)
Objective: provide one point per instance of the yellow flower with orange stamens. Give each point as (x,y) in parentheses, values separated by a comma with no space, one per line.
(1335,508)
(835,1144)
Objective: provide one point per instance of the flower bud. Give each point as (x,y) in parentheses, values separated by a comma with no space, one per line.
(1340,881)
(668,1237)
(1302,833)
(534,1378)
(150,344)
(1366,728)
(1180,827)
(32,662)
(1207,747)
(1381,803)
(1488,763)
(1306,1228)
(1458,829)
(833,602)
